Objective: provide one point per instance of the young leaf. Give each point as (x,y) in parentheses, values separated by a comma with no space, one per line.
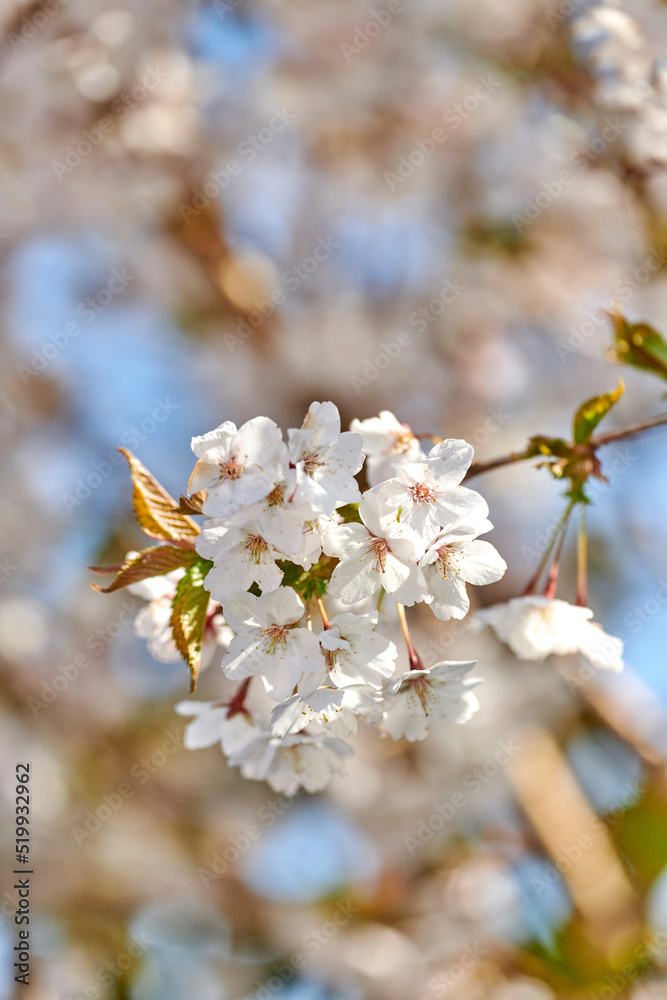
(188,616)
(310,582)
(193,504)
(151,562)
(590,413)
(156,511)
(639,345)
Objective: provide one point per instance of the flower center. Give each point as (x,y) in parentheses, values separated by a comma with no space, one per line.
(421,493)
(378,548)
(312,460)
(256,547)
(421,688)
(275,636)
(402,441)
(276,498)
(447,561)
(230,469)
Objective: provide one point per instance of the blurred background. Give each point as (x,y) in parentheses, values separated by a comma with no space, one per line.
(221,209)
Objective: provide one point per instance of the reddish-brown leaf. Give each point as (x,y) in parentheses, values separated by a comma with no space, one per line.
(151,562)
(156,511)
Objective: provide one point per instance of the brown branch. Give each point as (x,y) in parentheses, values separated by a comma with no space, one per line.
(597,441)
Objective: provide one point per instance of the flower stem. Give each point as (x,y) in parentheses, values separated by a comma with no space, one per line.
(325,620)
(415,659)
(236,703)
(582,561)
(531,586)
(552,579)
(597,441)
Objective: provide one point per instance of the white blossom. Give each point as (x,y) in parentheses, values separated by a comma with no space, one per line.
(325,460)
(212,723)
(268,642)
(426,496)
(373,555)
(237,467)
(287,764)
(334,710)
(386,444)
(439,692)
(455,558)
(355,652)
(534,627)
(280,520)
(241,557)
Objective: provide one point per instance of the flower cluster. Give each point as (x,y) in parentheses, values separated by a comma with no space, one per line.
(286,527)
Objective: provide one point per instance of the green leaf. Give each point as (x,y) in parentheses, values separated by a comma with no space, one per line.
(639,345)
(188,616)
(350,513)
(311,582)
(151,562)
(590,413)
(157,512)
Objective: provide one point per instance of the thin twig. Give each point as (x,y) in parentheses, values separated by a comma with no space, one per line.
(597,441)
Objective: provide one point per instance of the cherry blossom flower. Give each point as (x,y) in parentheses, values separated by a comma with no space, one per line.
(325,460)
(268,643)
(386,444)
(333,710)
(153,622)
(372,555)
(280,521)
(356,653)
(534,627)
(439,692)
(213,723)
(287,764)
(241,557)
(426,496)
(237,467)
(455,558)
